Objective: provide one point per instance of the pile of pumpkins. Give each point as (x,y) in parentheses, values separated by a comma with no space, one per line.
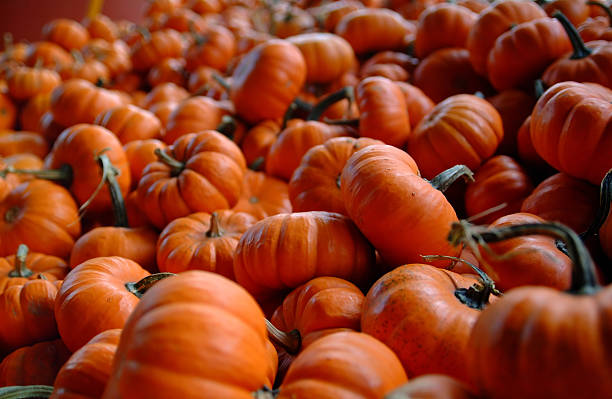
(309,199)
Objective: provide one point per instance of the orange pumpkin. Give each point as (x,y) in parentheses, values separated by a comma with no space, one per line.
(130,123)
(263,195)
(194,115)
(34,365)
(19,268)
(66,32)
(24,82)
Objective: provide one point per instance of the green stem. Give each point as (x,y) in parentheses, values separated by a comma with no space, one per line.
(26,392)
(477,296)
(215,226)
(63,174)
(257,163)
(21,269)
(109,176)
(584,280)
(538,88)
(221,81)
(227,127)
(603,211)
(318,110)
(580,49)
(139,288)
(176,166)
(445,179)
(291,341)
(604,7)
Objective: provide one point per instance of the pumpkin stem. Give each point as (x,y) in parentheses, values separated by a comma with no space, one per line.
(265,393)
(11,214)
(227,127)
(538,88)
(139,288)
(77,56)
(291,341)
(144,32)
(21,270)
(477,296)
(257,163)
(176,166)
(604,7)
(603,211)
(296,104)
(219,79)
(445,179)
(63,174)
(26,392)
(215,226)
(584,280)
(580,49)
(346,92)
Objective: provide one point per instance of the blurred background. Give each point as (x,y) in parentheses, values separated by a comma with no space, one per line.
(25,18)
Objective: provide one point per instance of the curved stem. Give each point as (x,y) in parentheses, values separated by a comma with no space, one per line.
(317,111)
(227,127)
(477,296)
(63,174)
(176,166)
(580,49)
(139,288)
(584,280)
(445,179)
(215,226)
(291,341)
(296,104)
(109,174)
(603,211)
(604,7)
(21,270)
(221,81)
(257,163)
(26,392)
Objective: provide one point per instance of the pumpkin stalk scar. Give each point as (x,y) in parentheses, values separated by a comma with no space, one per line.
(139,288)
(291,341)
(445,179)
(176,166)
(215,226)
(21,270)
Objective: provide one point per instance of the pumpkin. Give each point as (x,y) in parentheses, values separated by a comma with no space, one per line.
(293,142)
(531,329)
(500,180)
(13,143)
(34,365)
(193,115)
(263,195)
(27,315)
(331,13)
(200,172)
(267,79)
(66,32)
(24,266)
(102,27)
(433,386)
(202,241)
(447,72)
(48,55)
(32,112)
(115,55)
(90,69)
(597,27)
(214,47)
(288,20)
(140,153)
(74,158)
(463,129)
(523,53)
(501,16)
(9,180)
(181,20)
(257,143)
(575,11)
(558,121)
(202,81)
(87,371)
(156,46)
(375,29)
(8,112)
(169,70)
(79,101)
(130,123)
(527,154)
(327,56)
(98,295)
(381,177)
(514,106)
(433,339)
(26,210)
(441,26)
(343,365)
(315,184)
(592,63)
(163,110)
(565,199)
(273,255)
(212,317)
(25,82)
(417,102)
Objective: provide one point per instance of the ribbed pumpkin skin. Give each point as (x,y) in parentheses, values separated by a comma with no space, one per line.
(327,56)
(492,23)
(344,365)
(267,80)
(24,82)
(380,177)
(34,365)
(93,298)
(433,339)
(284,251)
(130,123)
(499,180)
(315,184)
(27,316)
(77,147)
(211,179)
(558,122)
(85,374)
(263,195)
(461,130)
(56,228)
(223,342)
(186,244)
